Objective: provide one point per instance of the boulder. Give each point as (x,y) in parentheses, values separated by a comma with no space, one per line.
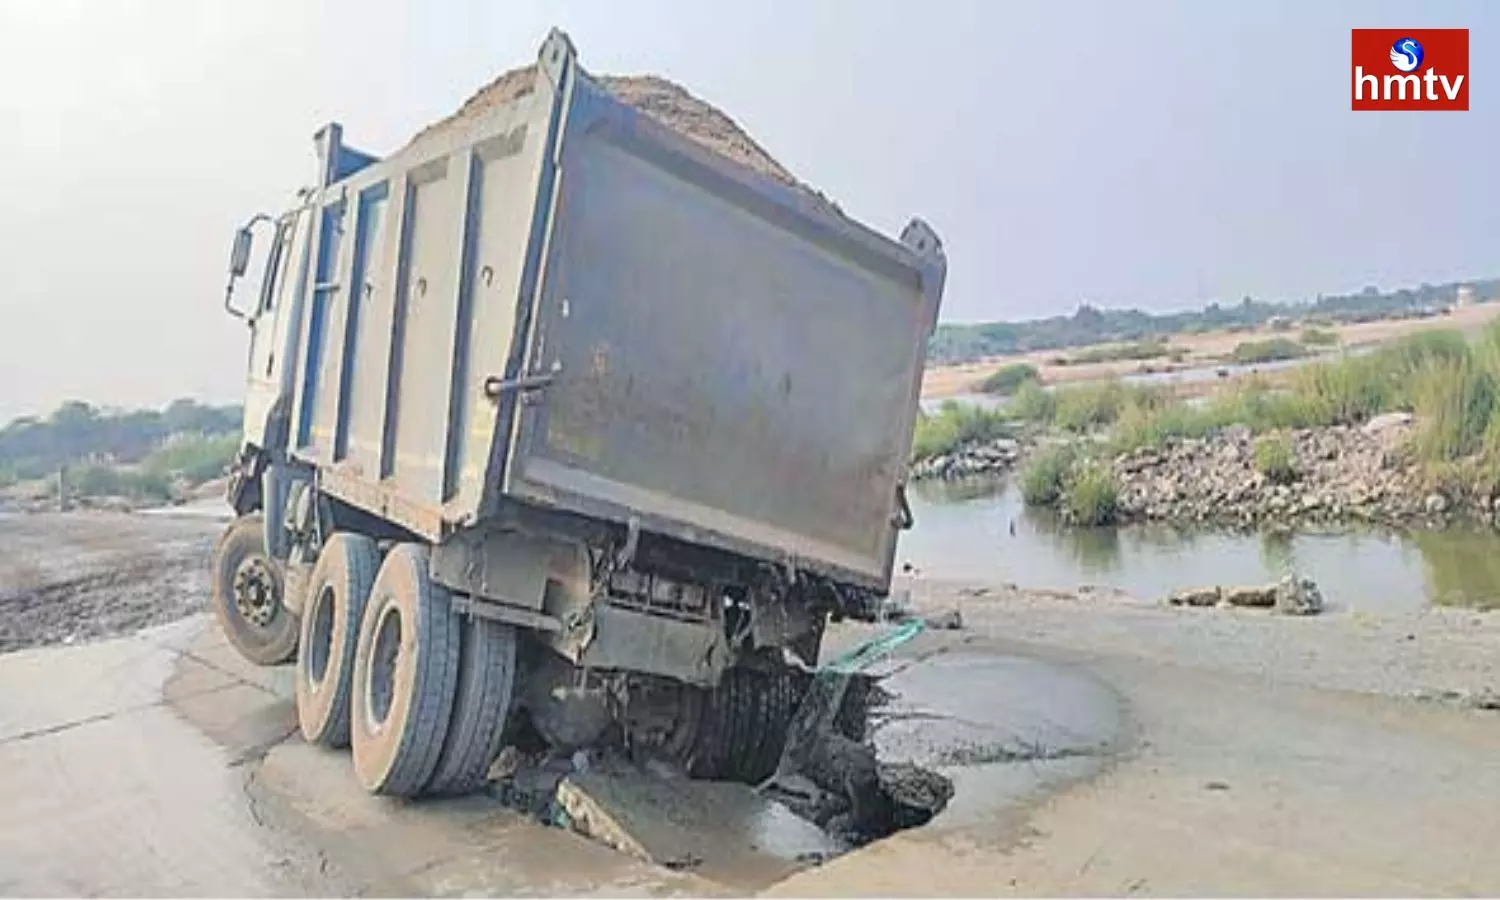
(952,620)
(1203,596)
(1298,597)
(1260,597)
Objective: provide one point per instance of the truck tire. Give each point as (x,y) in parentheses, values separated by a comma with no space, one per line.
(775,717)
(337,593)
(486,679)
(405,669)
(744,726)
(247,595)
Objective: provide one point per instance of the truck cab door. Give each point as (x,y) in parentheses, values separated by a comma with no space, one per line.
(270,323)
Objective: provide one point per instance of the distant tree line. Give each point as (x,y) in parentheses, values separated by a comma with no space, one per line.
(1090,325)
(186,437)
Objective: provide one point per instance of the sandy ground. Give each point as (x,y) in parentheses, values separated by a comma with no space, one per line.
(1120,747)
(1202,350)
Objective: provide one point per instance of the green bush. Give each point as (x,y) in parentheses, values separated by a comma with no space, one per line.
(1042,479)
(1319,337)
(1141,426)
(1009,379)
(196,459)
(106,481)
(1416,350)
(1102,403)
(1033,403)
(1270,350)
(1088,405)
(1346,391)
(953,426)
(1275,460)
(1454,400)
(1092,496)
(1150,348)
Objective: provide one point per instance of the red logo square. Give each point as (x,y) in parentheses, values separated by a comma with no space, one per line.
(1420,68)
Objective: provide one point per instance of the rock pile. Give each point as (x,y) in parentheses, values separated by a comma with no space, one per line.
(1341,474)
(1292,596)
(987,458)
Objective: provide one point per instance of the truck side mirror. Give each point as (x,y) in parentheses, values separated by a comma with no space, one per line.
(239,261)
(239,256)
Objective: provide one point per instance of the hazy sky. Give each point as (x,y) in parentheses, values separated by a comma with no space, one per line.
(1155,154)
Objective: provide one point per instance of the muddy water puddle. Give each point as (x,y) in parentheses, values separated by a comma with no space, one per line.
(981,531)
(1004,729)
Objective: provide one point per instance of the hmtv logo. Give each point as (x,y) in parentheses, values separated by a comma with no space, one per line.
(1424,68)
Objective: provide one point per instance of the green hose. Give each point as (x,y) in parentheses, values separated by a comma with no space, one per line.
(870,651)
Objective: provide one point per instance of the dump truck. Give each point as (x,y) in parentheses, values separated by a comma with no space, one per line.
(560,417)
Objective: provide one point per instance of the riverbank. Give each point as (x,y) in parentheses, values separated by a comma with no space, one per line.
(1188,351)
(1406,436)
(1335,475)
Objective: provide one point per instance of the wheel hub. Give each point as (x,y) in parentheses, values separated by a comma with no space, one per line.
(255,592)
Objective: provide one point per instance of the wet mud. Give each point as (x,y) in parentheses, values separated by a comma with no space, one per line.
(75,577)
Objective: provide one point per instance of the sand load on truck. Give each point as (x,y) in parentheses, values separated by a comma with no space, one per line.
(663,100)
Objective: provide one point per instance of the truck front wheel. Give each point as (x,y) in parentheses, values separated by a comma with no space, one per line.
(247,589)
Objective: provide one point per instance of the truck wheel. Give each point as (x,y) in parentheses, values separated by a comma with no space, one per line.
(336,597)
(745,726)
(775,716)
(405,669)
(486,677)
(247,590)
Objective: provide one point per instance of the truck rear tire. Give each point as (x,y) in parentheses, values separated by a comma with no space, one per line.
(486,679)
(744,726)
(405,670)
(247,595)
(337,593)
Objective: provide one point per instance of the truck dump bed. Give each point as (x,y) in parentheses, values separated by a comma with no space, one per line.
(564,304)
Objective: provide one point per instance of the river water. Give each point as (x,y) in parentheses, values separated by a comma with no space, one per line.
(981,531)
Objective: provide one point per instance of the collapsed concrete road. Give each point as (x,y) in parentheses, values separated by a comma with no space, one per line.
(177,774)
(214,761)
(1096,746)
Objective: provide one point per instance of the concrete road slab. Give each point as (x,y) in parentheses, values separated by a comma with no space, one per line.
(444,847)
(725,831)
(41,695)
(106,791)
(206,644)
